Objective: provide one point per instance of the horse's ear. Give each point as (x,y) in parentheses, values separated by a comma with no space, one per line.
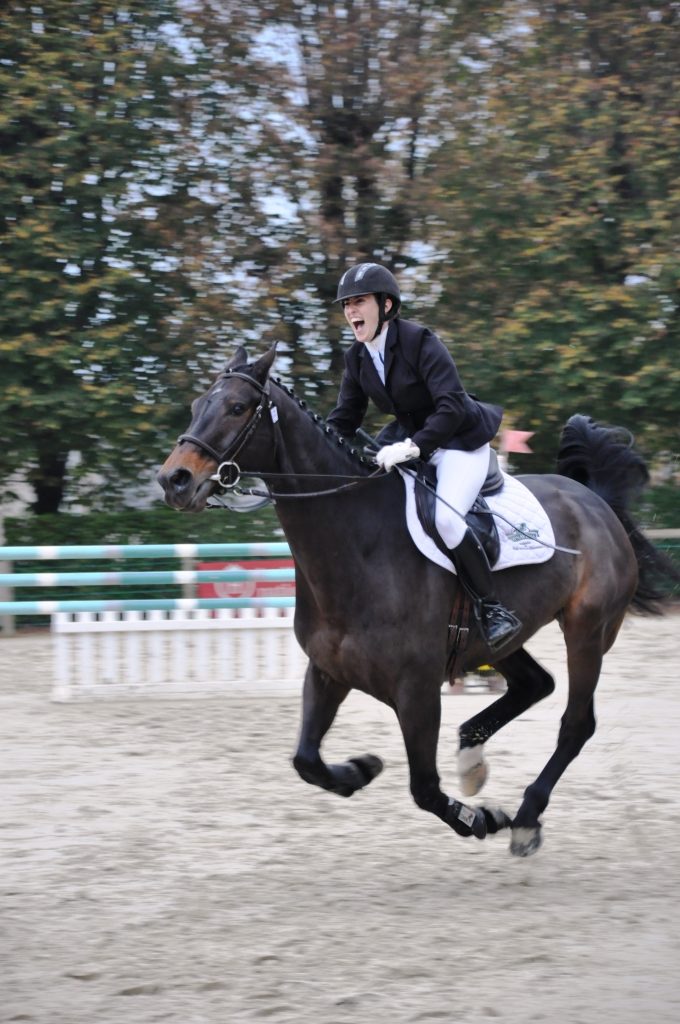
(260,369)
(239,358)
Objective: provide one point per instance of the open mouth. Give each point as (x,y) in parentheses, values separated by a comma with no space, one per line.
(357,324)
(191,499)
(201,495)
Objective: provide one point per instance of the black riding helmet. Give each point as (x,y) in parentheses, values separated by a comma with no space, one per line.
(371,279)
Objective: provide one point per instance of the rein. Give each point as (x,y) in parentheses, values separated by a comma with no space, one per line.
(228,471)
(354,481)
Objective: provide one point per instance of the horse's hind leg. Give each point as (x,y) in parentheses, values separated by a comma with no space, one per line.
(419,711)
(527,683)
(584,656)
(321,698)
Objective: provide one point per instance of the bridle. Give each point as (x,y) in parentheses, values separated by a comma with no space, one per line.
(228,471)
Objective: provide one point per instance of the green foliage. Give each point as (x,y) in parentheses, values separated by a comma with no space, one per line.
(157,525)
(94,193)
(176,179)
(323,164)
(562,207)
(659,508)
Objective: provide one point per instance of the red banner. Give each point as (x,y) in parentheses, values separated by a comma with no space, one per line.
(248,588)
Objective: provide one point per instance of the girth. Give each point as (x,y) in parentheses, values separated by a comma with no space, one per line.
(479,518)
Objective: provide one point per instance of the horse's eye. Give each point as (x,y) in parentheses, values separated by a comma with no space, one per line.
(238,409)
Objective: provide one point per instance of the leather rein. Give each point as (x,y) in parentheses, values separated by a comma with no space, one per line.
(228,471)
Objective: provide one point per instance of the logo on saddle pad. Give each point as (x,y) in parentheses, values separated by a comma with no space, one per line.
(522,535)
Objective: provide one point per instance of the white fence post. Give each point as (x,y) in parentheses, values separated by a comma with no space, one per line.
(143,645)
(176,653)
(6,593)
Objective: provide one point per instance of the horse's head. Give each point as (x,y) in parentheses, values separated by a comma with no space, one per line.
(224,422)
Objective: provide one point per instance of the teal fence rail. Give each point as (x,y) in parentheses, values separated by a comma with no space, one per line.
(43,592)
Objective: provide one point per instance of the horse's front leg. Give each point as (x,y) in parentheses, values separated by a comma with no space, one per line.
(321,698)
(419,711)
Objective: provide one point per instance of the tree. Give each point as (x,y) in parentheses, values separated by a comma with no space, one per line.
(95,193)
(515,163)
(337,106)
(178,178)
(560,210)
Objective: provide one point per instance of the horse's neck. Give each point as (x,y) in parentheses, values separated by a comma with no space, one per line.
(313,461)
(304,449)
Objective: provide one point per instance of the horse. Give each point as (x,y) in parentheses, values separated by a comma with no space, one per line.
(372,613)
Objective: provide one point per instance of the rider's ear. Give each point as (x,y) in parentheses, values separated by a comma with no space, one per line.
(260,369)
(239,358)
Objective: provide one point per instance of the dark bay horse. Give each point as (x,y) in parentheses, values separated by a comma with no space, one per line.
(372,612)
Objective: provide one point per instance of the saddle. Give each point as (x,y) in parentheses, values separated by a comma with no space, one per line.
(479,518)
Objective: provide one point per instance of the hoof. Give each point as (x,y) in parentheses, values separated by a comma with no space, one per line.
(343,779)
(369,765)
(496,819)
(354,774)
(472,769)
(466,821)
(525,841)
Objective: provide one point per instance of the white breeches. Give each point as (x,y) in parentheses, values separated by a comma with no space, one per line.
(460,476)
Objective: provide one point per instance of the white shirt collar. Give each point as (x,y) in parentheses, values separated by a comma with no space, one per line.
(376,349)
(377,346)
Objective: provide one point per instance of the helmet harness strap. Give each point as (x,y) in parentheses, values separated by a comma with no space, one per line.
(381,314)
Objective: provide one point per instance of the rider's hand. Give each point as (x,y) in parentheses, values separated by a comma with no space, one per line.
(402,451)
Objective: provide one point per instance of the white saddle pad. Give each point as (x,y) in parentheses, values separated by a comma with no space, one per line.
(526,525)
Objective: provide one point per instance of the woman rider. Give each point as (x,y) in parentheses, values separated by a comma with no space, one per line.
(410,373)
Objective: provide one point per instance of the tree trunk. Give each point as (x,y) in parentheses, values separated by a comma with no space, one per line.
(48,481)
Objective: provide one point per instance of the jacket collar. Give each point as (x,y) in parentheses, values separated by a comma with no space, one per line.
(390,340)
(369,374)
(390,346)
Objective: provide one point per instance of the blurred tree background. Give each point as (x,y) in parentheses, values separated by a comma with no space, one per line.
(181,176)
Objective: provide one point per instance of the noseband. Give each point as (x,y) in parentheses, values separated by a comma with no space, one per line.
(228,472)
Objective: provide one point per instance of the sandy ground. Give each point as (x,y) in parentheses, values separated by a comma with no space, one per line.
(160,861)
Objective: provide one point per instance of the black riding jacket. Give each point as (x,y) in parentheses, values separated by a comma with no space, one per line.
(422,390)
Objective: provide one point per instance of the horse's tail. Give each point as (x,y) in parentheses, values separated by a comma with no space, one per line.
(604,460)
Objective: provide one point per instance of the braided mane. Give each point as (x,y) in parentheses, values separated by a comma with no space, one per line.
(331,435)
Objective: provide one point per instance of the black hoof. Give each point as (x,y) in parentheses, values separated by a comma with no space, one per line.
(354,774)
(496,819)
(466,821)
(343,779)
(369,765)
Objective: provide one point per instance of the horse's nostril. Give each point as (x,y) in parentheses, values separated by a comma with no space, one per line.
(179,479)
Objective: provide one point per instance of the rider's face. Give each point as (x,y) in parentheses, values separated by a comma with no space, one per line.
(362,314)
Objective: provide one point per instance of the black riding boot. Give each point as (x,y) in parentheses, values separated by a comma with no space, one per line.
(497,624)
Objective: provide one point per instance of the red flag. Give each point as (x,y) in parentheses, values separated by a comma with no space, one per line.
(516,441)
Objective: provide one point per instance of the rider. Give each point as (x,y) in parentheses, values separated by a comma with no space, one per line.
(411,374)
